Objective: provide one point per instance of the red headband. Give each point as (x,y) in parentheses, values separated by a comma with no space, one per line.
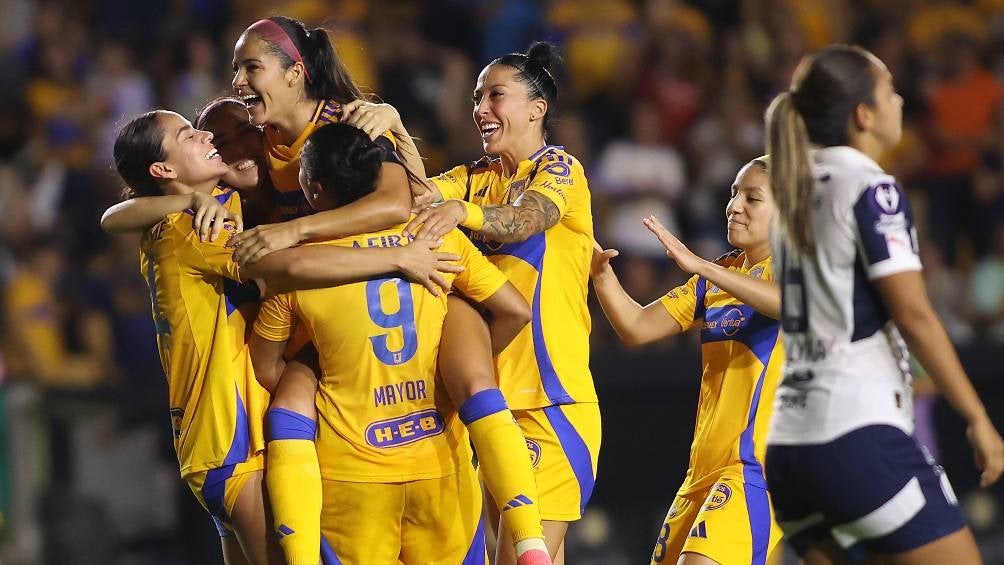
(273,33)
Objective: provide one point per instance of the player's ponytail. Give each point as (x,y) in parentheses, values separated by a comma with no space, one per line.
(790,174)
(826,90)
(534,70)
(326,76)
(139,144)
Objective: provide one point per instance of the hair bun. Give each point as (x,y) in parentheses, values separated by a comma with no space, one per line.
(543,53)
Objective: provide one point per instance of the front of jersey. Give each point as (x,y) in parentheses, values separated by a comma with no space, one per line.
(381,416)
(548,362)
(847,365)
(742,356)
(284,161)
(200,313)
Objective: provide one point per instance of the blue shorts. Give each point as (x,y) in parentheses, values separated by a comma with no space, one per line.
(875,491)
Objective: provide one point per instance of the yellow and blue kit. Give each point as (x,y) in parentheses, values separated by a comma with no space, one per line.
(544,373)
(284,161)
(391,447)
(200,312)
(722,510)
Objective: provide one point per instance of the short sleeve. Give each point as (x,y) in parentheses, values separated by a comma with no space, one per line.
(886,234)
(561,179)
(480,279)
(685,303)
(275,317)
(453,183)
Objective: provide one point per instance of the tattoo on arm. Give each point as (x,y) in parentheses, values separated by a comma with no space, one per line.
(531,214)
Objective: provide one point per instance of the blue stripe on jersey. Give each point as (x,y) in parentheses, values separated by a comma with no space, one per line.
(700,307)
(575,450)
(328,556)
(758,509)
(868,312)
(476,552)
(532,251)
(214,487)
(546,148)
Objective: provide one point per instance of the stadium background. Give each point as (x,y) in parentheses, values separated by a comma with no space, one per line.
(662,101)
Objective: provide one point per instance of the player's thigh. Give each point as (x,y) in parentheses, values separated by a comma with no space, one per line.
(564,444)
(443,522)
(361,522)
(233,553)
(251,522)
(465,352)
(688,558)
(296,390)
(958,547)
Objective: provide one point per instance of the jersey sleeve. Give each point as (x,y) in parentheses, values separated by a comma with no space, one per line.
(886,235)
(561,179)
(216,257)
(275,317)
(685,303)
(480,279)
(453,183)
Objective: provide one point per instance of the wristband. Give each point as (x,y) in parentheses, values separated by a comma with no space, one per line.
(475,216)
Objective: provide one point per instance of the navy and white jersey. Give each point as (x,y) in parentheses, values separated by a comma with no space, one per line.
(846,363)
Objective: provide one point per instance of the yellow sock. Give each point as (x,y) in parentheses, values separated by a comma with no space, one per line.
(504,462)
(293,478)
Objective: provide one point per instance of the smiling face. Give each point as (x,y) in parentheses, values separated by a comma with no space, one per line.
(503,112)
(750,209)
(261,82)
(239,143)
(192,159)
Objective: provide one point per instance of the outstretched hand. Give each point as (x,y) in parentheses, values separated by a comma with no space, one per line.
(423,264)
(374,119)
(675,249)
(258,242)
(210,216)
(601,260)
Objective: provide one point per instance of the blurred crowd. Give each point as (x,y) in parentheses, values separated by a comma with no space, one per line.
(661,100)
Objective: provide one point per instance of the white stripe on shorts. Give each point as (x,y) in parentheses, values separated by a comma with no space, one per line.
(885,519)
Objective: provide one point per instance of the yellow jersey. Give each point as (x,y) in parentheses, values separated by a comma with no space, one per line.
(381,416)
(200,313)
(548,362)
(284,161)
(742,356)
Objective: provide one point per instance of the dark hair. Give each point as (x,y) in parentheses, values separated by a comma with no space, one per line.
(200,120)
(827,88)
(329,79)
(534,71)
(139,144)
(344,160)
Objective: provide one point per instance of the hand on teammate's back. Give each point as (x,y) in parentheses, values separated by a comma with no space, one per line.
(423,264)
(437,220)
(259,241)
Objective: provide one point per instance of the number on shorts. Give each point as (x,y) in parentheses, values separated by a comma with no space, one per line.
(403,318)
(660,544)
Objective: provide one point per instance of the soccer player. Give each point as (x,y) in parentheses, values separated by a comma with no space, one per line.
(293,83)
(845,474)
(526,205)
(721,513)
(216,405)
(396,467)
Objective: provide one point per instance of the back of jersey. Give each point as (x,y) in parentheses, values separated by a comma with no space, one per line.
(847,365)
(381,416)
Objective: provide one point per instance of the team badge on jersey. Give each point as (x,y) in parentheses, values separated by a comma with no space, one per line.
(534,449)
(720,495)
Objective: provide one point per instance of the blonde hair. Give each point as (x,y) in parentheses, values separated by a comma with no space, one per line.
(790,175)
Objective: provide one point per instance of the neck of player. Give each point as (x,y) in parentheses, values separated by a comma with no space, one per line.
(178,187)
(520,151)
(292,122)
(755,254)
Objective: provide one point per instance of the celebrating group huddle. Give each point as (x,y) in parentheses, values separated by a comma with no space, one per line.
(331,368)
